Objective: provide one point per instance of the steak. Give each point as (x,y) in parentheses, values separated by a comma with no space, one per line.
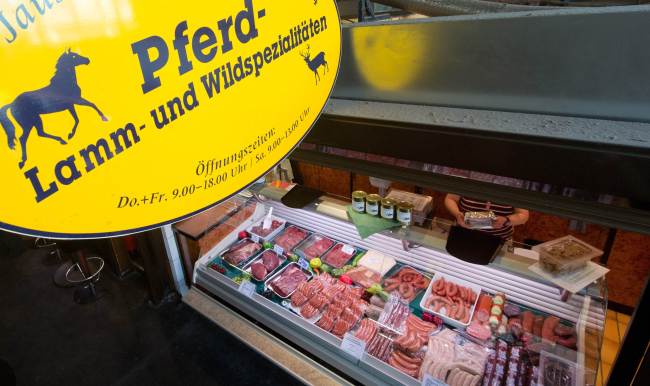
(337,257)
(270,260)
(241,251)
(259,271)
(290,237)
(288,281)
(317,247)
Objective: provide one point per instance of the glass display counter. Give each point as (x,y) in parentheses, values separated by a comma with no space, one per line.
(537,331)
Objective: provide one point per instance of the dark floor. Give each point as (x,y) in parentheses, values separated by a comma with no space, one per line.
(49,340)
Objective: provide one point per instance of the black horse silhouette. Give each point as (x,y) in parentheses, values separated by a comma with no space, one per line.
(63,93)
(315,63)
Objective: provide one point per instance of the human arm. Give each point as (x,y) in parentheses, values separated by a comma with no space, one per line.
(451,203)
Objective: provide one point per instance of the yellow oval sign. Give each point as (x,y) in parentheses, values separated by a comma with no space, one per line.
(125,115)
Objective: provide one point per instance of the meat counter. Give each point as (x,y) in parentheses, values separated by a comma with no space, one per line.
(426,315)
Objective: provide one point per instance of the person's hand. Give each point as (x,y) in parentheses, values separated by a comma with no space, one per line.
(499,222)
(460,219)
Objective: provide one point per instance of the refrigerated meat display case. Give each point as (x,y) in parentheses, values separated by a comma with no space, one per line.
(427,103)
(421,248)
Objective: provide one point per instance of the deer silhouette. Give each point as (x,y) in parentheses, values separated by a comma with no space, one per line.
(63,93)
(316,63)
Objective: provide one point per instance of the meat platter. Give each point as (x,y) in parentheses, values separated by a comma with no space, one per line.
(290,237)
(258,232)
(241,252)
(314,246)
(264,264)
(285,281)
(456,304)
(340,254)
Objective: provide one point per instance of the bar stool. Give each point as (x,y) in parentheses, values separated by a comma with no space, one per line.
(84,274)
(83,271)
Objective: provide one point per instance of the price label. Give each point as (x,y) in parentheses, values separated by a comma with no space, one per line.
(428,380)
(247,288)
(353,346)
(267,223)
(348,249)
(255,238)
(304,264)
(278,249)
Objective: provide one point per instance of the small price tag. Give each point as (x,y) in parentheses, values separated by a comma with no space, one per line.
(247,288)
(348,249)
(255,238)
(428,380)
(353,346)
(267,223)
(304,264)
(278,249)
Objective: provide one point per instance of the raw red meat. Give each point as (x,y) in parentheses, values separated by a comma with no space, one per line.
(316,247)
(260,231)
(288,281)
(298,299)
(270,260)
(241,251)
(337,257)
(259,271)
(290,237)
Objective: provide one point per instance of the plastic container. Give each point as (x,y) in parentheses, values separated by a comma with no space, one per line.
(248,267)
(565,254)
(290,238)
(257,233)
(314,246)
(443,311)
(345,249)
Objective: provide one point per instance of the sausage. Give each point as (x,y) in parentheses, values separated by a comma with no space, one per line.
(548,328)
(563,330)
(483,307)
(527,321)
(569,342)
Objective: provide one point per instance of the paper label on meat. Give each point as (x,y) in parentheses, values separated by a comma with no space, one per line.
(353,346)
(247,288)
(428,380)
(278,249)
(348,250)
(304,264)
(255,237)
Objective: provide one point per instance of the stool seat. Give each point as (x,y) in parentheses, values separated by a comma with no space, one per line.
(75,275)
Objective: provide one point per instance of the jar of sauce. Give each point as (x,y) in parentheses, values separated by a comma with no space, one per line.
(359,201)
(405,213)
(372,204)
(388,208)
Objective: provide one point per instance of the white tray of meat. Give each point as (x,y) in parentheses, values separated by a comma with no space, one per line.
(343,312)
(452,299)
(239,253)
(264,264)
(314,246)
(290,237)
(285,281)
(340,254)
(258,231)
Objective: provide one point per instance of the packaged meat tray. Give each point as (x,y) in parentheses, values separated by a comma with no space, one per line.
(285,281)
(363,276)
(258,232)
(314,246)
(264,264)
(452,299)
(407,282)
(239,253)
(340,254)
(290,237)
